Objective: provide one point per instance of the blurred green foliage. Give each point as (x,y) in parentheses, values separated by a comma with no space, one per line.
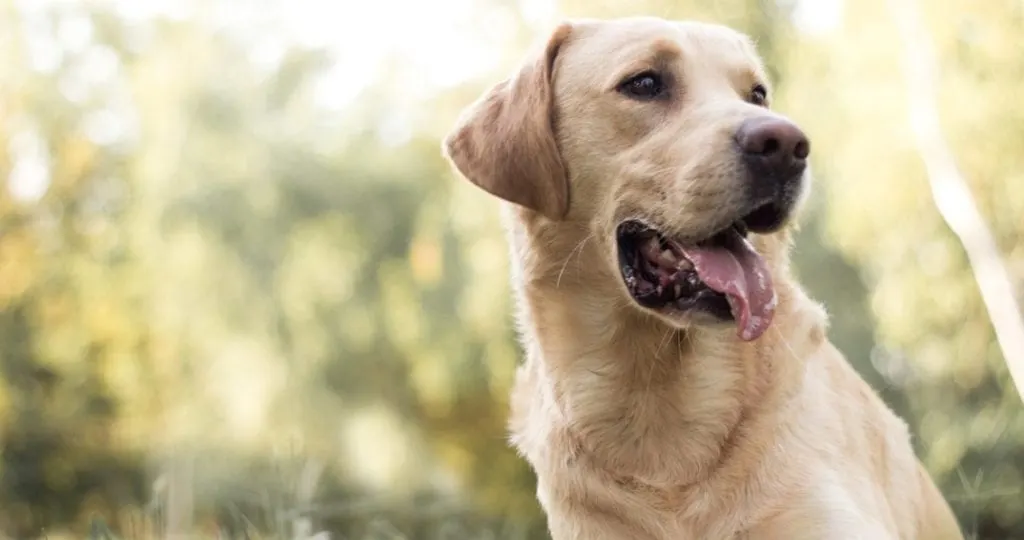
(228,306)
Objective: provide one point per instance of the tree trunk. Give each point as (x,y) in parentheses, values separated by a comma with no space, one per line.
(950,191)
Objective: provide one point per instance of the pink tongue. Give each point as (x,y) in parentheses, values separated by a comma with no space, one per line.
(738,272)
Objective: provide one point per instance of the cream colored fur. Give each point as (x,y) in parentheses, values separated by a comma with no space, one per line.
(641,425)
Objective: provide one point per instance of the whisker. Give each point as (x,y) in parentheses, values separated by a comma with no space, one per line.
(782,339)
(578,248)
(664,340)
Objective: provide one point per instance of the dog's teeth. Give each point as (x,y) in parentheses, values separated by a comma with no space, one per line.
(678,290)
(668,255)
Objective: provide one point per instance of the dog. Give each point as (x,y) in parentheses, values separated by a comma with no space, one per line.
(678,383)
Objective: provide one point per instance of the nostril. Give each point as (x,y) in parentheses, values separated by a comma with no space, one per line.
(771,146)
(802,149)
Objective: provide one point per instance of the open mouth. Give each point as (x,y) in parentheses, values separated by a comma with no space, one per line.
(722,275)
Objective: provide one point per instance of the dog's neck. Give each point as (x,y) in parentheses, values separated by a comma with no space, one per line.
(630,394)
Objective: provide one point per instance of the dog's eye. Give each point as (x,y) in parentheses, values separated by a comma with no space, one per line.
(759,95)
(647,85)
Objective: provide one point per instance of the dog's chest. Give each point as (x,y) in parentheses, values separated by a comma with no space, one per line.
(669,514)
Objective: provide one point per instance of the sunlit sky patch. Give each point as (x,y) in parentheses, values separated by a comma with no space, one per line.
(818,17)
(30,176)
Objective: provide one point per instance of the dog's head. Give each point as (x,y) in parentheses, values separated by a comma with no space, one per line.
(655,140)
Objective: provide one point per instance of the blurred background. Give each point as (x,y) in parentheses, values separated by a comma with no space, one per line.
(242,296)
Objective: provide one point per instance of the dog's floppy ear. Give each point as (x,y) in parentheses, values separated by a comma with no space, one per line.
(505,141)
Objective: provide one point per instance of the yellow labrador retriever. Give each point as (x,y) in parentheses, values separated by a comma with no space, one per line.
(678,382)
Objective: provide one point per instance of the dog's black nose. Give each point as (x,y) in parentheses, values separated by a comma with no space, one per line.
(774,147)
